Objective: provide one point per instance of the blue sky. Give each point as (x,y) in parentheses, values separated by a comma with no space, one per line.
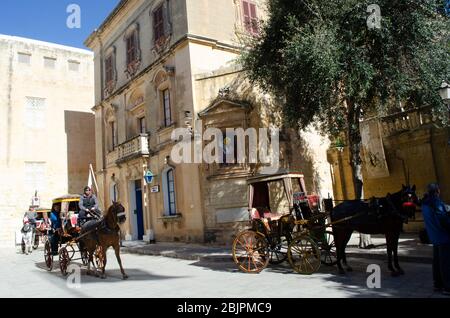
(45,20)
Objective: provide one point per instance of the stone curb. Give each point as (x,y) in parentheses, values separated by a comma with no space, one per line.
(228,258)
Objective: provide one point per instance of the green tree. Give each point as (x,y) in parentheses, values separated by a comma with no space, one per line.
(331,65)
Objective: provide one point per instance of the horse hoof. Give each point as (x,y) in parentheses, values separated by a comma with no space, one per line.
(125,277)
(103,276)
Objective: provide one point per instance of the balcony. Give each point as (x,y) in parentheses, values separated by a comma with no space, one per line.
(111,158)
(133,148)
(406,121)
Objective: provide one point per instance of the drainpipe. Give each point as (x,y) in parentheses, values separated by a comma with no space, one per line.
(103,168)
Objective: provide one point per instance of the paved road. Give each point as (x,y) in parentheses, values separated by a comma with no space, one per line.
(156,276)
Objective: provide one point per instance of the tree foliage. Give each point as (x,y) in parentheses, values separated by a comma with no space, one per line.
(332,69)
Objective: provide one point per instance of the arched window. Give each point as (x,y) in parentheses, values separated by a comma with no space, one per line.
(169,192)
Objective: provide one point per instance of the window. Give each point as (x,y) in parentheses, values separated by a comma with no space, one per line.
(170,193)
(167,108)
(250,17)
(141,125)
(74,66)
(113,135)
(35,176)
(158,24)
(49,62)
(109,69)
(114,192)
(35,112)
(131,48)
(24,58)
(229,150)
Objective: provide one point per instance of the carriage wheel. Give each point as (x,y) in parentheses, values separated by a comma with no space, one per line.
(278,253)
(99,257)
(48,256)
(84,255)
(64,260)
(70,251)
(250,251)
(304,255)
(328,254)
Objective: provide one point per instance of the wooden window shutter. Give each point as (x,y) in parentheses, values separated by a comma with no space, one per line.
(158,23)
(247,17)
(253,18)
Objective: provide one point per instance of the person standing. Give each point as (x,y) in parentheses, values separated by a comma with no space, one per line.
(437,224)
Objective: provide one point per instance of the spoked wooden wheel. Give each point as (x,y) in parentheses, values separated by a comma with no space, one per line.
(64,260)
(328,249)
(48,255)
(84,255)
(304,255)
(71,251)
(250,251)
(99,257)
(278,252)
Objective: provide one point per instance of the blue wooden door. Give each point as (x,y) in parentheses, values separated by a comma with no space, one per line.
(139,210)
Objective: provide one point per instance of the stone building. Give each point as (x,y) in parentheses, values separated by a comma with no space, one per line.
(164,65)
(406,147)
(46,125)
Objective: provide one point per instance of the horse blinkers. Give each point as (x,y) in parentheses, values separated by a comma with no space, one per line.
(121,215)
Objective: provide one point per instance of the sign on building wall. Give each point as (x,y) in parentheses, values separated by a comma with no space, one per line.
(154,189)
(373,150)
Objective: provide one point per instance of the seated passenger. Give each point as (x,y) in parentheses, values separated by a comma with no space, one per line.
(54,235)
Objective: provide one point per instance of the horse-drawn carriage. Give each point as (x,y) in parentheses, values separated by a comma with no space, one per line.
(42,226)
(91,240)
(298,233)
(65,236)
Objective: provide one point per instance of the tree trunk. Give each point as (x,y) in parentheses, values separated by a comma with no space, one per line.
(355,140)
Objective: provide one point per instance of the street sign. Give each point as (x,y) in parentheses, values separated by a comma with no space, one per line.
(154,189)
(35,202)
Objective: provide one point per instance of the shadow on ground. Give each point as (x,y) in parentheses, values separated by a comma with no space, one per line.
(354,283)
(112,275)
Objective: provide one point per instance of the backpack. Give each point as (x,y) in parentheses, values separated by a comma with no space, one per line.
(26,228)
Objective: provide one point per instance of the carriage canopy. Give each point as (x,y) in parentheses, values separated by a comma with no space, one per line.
(258,188)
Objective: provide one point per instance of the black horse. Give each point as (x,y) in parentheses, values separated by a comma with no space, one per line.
(378,216)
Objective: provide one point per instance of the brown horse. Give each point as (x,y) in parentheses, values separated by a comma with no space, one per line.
(102,234)
(380,216)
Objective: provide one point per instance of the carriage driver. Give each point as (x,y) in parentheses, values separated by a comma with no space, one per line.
(88,205)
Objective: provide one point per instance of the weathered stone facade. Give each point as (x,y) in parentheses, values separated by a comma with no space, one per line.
(416,151)
(46,125)
(191,70)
